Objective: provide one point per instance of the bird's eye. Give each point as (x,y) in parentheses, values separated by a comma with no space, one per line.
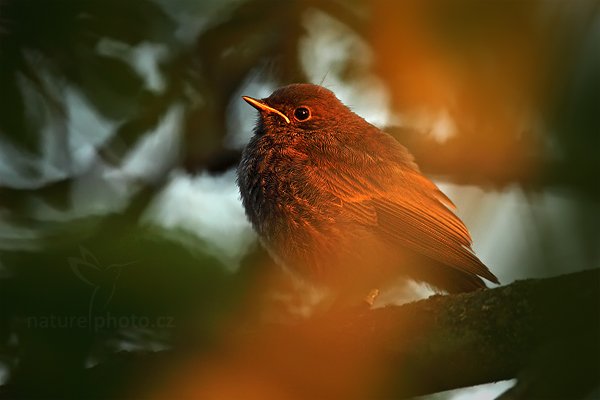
(302,113)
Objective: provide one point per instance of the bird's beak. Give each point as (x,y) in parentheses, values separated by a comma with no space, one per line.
(261,106)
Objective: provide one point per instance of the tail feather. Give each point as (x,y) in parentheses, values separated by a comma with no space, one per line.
(447,279)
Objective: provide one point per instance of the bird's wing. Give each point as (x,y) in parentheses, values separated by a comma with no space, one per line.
(401,204)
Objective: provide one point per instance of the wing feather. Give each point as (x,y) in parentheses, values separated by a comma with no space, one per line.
(406,208)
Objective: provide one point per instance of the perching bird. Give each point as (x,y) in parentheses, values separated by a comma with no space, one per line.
(342,204)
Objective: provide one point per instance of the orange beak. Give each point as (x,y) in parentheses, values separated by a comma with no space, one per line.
(261,106)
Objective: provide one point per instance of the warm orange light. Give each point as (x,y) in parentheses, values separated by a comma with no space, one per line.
(482,62)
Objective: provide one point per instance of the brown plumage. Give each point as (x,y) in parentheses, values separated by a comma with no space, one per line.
(343,204)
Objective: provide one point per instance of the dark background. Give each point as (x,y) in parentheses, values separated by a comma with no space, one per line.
(120,121)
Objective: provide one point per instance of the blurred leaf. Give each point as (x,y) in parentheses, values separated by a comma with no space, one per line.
(151,108)
(13,122)
(57,194)
(131,21)
(111,85)
(63,35)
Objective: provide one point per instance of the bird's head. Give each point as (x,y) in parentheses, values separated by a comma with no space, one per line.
(299,108)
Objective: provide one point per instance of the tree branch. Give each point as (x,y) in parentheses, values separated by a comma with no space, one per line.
(543,332)
(499,334)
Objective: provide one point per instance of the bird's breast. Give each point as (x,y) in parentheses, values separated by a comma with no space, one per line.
(282,198)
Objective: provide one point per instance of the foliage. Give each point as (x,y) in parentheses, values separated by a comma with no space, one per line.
(523,95)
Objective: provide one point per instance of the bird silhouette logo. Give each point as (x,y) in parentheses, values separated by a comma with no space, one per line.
(102,279)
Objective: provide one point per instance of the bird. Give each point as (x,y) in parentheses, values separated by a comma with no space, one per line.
(343,205)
